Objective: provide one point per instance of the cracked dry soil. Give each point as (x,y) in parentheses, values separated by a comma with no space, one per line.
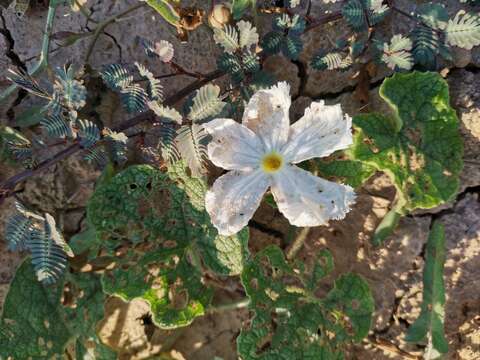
(393,271)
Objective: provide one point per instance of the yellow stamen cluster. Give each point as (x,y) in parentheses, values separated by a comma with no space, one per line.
(272,162)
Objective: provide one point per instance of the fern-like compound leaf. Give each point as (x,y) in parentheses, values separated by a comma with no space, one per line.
(49,251)
(227,38)
(361,14)
(354,14)
(134,98)
(191,145)
(16,148)
(117,76)
(97,155)
(17,231)
(331,61)
(88,132)
(161,49)
(426,46)
(291,47)
(154,87)
(251,62)
(58,127)
(117,144)
(433,15)
(248,34)
(272,42)
(231,65)
(27,82)
(463,30)
(206,103)
(39,234)
(165,113)
(72,91)
(396,55)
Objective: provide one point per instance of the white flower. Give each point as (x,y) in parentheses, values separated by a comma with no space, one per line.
(261,152)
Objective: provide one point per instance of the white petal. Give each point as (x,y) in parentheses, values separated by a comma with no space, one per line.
(233,199)
(308,200)
(321,131)
(233,147)
(267,115)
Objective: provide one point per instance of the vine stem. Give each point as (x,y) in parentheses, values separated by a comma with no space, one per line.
(298,243)
(239,304)
(102,25)
(43,61)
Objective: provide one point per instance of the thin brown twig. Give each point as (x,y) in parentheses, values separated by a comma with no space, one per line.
(8,186)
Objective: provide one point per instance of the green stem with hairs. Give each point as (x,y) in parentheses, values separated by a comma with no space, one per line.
(298,243)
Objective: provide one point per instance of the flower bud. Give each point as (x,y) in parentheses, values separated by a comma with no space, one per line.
(219,16)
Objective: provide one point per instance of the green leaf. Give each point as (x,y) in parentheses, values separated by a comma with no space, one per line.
(429,327)
(164,214)
(290,321)
(31,325)
(30,117)
(239,7)
(351,172)
(83,315)
(464,30)
(167,281)
(419,147)
(166,10)
(225,255)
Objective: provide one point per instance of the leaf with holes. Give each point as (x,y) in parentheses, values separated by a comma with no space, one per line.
(166,210)
(292,323)
(419,147)
(164,214)
(429,326)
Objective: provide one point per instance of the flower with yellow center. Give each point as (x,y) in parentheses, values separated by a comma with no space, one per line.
(261,153)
